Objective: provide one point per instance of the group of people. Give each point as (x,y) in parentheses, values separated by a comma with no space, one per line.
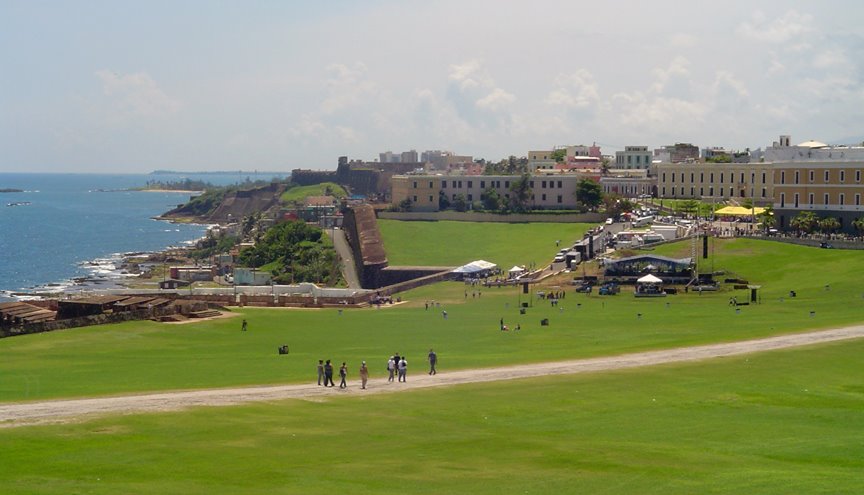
(397,369)
(325,374)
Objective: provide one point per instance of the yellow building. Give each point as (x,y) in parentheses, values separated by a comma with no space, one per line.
(828,188)
(716,181)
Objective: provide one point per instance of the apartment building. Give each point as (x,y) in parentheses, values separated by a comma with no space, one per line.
(828,188)
(633,157)
(716,181)
(554,191)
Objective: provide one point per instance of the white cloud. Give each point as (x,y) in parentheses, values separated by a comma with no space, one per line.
(136,94)
(790,26)
(576,91)
(347,87)
(475,96)
(496,100)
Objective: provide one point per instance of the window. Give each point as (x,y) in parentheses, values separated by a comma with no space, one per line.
(430,198)
(857,200)
(673,178)
(470,184)
(415,184)
(560,199)
(430,184)
(742,177)
(812,175)
(711,191)
(731,191)
(532,184)
(454,196)
(543,197)
(692,177)
(701,176)
(712,179)
(783,177)
(701,191)
(415,199)
(559,184)
(782,200)
(454,184)
(796,200)
(857,176)
(810,198)
(764,192)
(692,191)
(826,199)
(763,177)
(842,199)
(682,178)
(460,184)
(443,184)
(796,177)
(664,191)
(507,184)
(470,197)
(827,175)
(483,185)
(842,176)
(721,177)
(664,177)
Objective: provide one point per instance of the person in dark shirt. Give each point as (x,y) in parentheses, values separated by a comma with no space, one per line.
(328,374)
(343,373)
(433,360)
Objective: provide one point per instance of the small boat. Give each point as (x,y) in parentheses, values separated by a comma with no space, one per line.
(19,203)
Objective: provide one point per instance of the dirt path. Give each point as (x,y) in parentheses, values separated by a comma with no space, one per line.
(63,411)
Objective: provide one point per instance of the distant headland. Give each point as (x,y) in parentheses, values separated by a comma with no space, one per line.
(9,190)
(219,172)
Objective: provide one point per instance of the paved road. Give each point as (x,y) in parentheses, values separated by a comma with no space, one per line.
(64,411)
(346,256)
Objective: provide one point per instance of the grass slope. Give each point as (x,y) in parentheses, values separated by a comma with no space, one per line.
(447,243)
(146,356)
(782,422)
(300,193)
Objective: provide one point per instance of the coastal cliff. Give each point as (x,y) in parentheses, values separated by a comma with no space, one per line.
(226,206)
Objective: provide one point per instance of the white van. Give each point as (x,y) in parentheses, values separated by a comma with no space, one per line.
(643,221)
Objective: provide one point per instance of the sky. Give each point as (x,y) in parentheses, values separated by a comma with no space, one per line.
(121,86)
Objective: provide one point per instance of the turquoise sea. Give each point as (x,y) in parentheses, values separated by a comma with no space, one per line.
(65,227)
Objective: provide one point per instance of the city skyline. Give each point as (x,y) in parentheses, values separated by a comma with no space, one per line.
(123,87)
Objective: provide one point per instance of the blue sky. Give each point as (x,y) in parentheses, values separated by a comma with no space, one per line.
(135,86)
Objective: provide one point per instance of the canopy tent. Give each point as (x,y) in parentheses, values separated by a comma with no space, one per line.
(650,279)
(739,211)
(516,270)
(478,266)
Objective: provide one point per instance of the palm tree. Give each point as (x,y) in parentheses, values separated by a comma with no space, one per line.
(804,221)
(829,225)
(766,218)
(858,223)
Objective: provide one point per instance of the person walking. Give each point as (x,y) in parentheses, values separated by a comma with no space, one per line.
(328,374)
(320,371)
(364,375)
(391,368)
(243,327)
(403,369)
(433,360)
(343,373)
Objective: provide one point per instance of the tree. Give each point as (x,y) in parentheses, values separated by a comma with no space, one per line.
(804,221)
(589,193)
(406,204)
(491,200)
(829,225)
(747,203)
(443,202)
(559,155)
(459,203)
(766,218)
(688,206)
(858,223)
(616,205)
(521,193)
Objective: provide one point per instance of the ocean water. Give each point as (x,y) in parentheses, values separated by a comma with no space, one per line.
(70,226)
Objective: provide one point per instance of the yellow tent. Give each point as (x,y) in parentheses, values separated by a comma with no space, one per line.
(739,211)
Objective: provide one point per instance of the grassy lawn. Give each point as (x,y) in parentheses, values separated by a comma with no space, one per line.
(781,422)
(300,193)
(146,356)
(449,243)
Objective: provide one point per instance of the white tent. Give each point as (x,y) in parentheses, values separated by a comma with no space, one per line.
(478,266)
(516,270)
(650,279)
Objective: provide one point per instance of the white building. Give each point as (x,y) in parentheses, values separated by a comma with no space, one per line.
(633,157)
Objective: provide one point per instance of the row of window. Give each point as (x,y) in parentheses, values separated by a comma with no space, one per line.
(825,199)
(674,192)
(826,175)
(470,197)
(496,184)
(711,177)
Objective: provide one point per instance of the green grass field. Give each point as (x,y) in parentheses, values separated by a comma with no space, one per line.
(147,356)
(449,243)
(781,422)
(300,193)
